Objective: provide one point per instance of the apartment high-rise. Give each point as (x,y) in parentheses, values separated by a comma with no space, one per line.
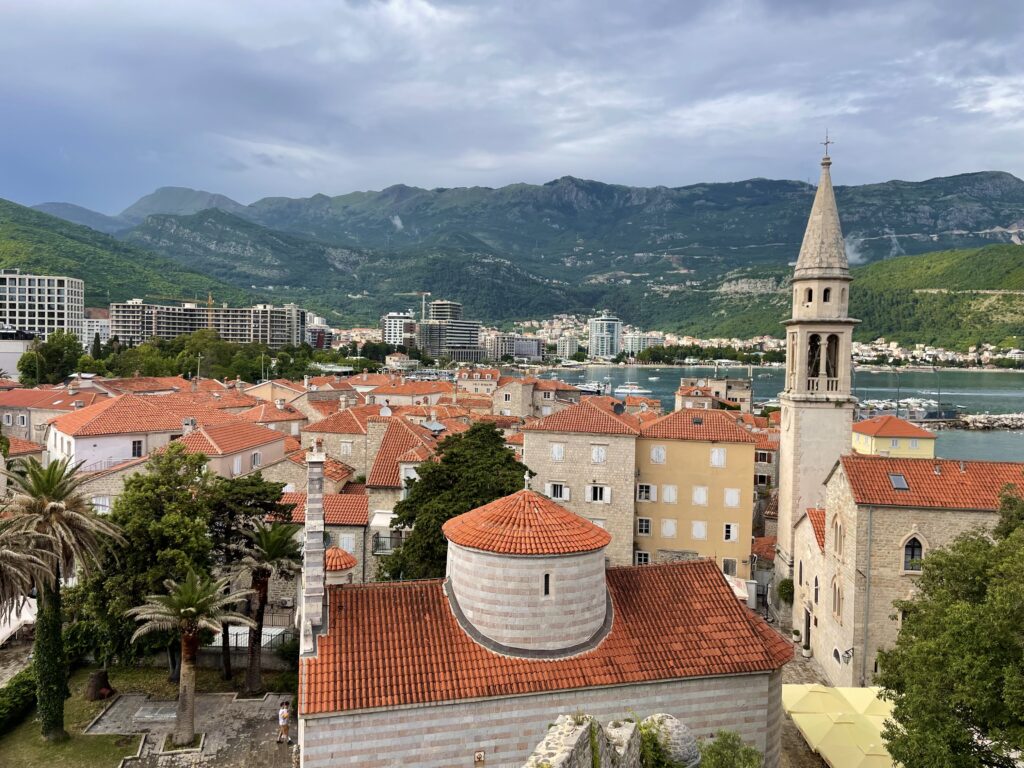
(445,334)
(134,322)
(444,310)
(398,329)
(567,346)
(605,335)
(41,304)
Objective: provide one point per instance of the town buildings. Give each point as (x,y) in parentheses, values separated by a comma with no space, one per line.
(892,436)
(605,336)
(444,333)
(41,304)
(398,329)
(95,323)
(567,346)
(513,345)
(134,321)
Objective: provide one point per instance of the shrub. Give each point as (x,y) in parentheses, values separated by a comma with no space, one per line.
(786,591)
(728,751)
(288,652)
(17,699)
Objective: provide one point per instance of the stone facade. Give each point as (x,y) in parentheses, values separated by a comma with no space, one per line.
(293,475)
(103,488)
(571,740)
(578,473)
(504,598)
(349,448)
(507,729)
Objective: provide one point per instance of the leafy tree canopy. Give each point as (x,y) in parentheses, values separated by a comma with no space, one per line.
(956,672)
(474,468)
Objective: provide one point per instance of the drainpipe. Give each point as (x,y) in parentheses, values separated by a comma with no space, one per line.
(867,602)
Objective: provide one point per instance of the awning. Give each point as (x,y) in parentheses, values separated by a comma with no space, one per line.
(381,519)
(843,725)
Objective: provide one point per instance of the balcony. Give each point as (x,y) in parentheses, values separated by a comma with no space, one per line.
(385,545)
(822,384)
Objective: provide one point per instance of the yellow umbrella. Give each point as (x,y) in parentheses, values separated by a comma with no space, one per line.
(813,726)
(815,698)
(866,701)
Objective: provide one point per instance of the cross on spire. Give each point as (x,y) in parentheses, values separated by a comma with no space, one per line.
(826,142)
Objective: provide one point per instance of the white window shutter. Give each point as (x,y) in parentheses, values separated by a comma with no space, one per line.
(607,495)
(565,493)
(654,492)
(547,489)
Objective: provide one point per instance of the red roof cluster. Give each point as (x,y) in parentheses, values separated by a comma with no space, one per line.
(930,483)
(339,508)
(690,424)
(135,414)
(351,421)
(333,469)
(18,447)
(393,644)
(400,438)
(592,415)
(269,413)
(229,438)
(891,426)
(763,547)
(525,523)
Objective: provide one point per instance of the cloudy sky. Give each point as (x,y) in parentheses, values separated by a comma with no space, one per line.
(105,101)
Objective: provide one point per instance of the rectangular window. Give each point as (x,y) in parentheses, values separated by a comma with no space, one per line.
(643,526)
(598,454)
(558,451)
(7,419)
(641,558)
(599,494)
(732,497)
(646,492)
(558,491)
(347,541)
(763,457)
(669,494)
(345,448)
(762,480)
(547,395)
(732,532)
(728,566)
(718,457)
(237,466)
(101,504)
(508,397)
(257,459)
(668,528)
(700,495)
(599,522)
(658,454)
(22,420)
(894,442)
(913,442)
(136,448)
(699,530)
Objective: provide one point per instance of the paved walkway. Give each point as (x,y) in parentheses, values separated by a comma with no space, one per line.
(240,733)
(795,752)
(13,659)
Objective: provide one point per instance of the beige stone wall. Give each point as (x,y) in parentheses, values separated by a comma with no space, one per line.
(288,472)
(507,729)
(687,465)
(503,596)
(25,431)
(110,484)
(577,471)
(351,449)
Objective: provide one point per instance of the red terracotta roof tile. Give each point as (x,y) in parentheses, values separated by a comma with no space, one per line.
(337,559)
(412,389)
(478,374)
(358,489)
(766,440)
(269,413)
(525,523)
(392,644)
(764,547)
(370,379)
(758,422)
(690,424)
(10,384)
(18,447)
(339,508)
(400,437)
(771,510)
(23,398)
(931,483)
(222,400)
(890,426)
(226,439)
(135,414)
(351,421)
(292,444)
(141,385)
(817,518)
(593,415)
(516,438)
(62,400)
(333,469)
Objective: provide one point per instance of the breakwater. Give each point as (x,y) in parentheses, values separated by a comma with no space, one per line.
(987,421)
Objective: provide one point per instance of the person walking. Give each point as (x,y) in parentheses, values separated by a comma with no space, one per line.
(283,716)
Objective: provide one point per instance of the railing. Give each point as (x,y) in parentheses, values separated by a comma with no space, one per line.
(98,466)
(383,545)
(822,384)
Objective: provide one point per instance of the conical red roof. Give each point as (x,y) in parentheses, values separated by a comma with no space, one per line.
(337,559)
(525,523)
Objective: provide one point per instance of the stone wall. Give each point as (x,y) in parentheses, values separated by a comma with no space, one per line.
(349,448)
(507,729)
(571,740)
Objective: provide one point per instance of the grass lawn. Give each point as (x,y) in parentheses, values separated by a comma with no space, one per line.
(24,747)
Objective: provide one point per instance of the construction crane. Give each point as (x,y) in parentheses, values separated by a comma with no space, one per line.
(423,298)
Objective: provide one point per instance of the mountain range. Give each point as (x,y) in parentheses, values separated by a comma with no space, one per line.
(705,258)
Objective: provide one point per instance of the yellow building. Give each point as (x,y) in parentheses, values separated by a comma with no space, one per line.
(892,436)
(695,490)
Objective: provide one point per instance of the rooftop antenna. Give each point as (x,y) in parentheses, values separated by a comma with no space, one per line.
(827,142)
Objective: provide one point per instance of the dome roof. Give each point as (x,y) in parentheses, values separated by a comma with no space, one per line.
(525,523)
(337,559)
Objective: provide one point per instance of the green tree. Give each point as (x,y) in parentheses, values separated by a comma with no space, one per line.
(48,501)
(273,551)
(189,608)
(956,672)
(96,350)
(51,361)
(22,562)
(727,750)
(473,469)
(236,504)
(164,513)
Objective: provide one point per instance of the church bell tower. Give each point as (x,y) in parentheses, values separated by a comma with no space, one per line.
(817,402)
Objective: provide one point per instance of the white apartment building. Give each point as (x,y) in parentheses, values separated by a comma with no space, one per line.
(41,304)
(398,328)
(93,325)
(605,335)
(514,345)
(133,321)
(567,346)
(635,342)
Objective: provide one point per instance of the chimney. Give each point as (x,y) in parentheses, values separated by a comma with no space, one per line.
(187,425)
(72,389)
(238,383)
(938,469)
(963,467)
(279,403)
(78,404)
(364,375)
(194,384)
(305,381)
(313,549)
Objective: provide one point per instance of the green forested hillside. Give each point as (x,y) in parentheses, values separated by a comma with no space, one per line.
(112,270)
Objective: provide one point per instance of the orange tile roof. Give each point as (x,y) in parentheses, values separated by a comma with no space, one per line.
(351,421)
(10,384)
(135,414)
(370,379)
(358,489)
(292,444)
(412,389)
(766,440)
(931,483)
(333,469)
(891,426)
(502,422)
(478,374)
(764,547)
(229,438)
(759,422)
(269,413)
(337,559)
(23,398)
(339,508)
(400,437)
(525,523)
(439,412)
(593,415)
(398,643)
(775,418)
(690,424)
(817,518)
(18,447)
(516,438)
(771,510)
(149,384)
(466,401)
(637,400)
(223,400)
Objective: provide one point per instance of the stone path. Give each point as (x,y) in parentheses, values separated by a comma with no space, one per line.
(13,659)
(795,752)
(240,733)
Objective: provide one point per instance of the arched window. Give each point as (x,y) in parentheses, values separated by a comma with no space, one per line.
(832,357)
(809,295)
(842,294)
(826,295)
(837,599)
(815,590)
(912,554)
(813,355)
(837,536)
(835,655)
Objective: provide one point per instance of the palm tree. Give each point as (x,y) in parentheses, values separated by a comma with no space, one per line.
(273,551)
(22,563)
(47,501)
(199,603)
